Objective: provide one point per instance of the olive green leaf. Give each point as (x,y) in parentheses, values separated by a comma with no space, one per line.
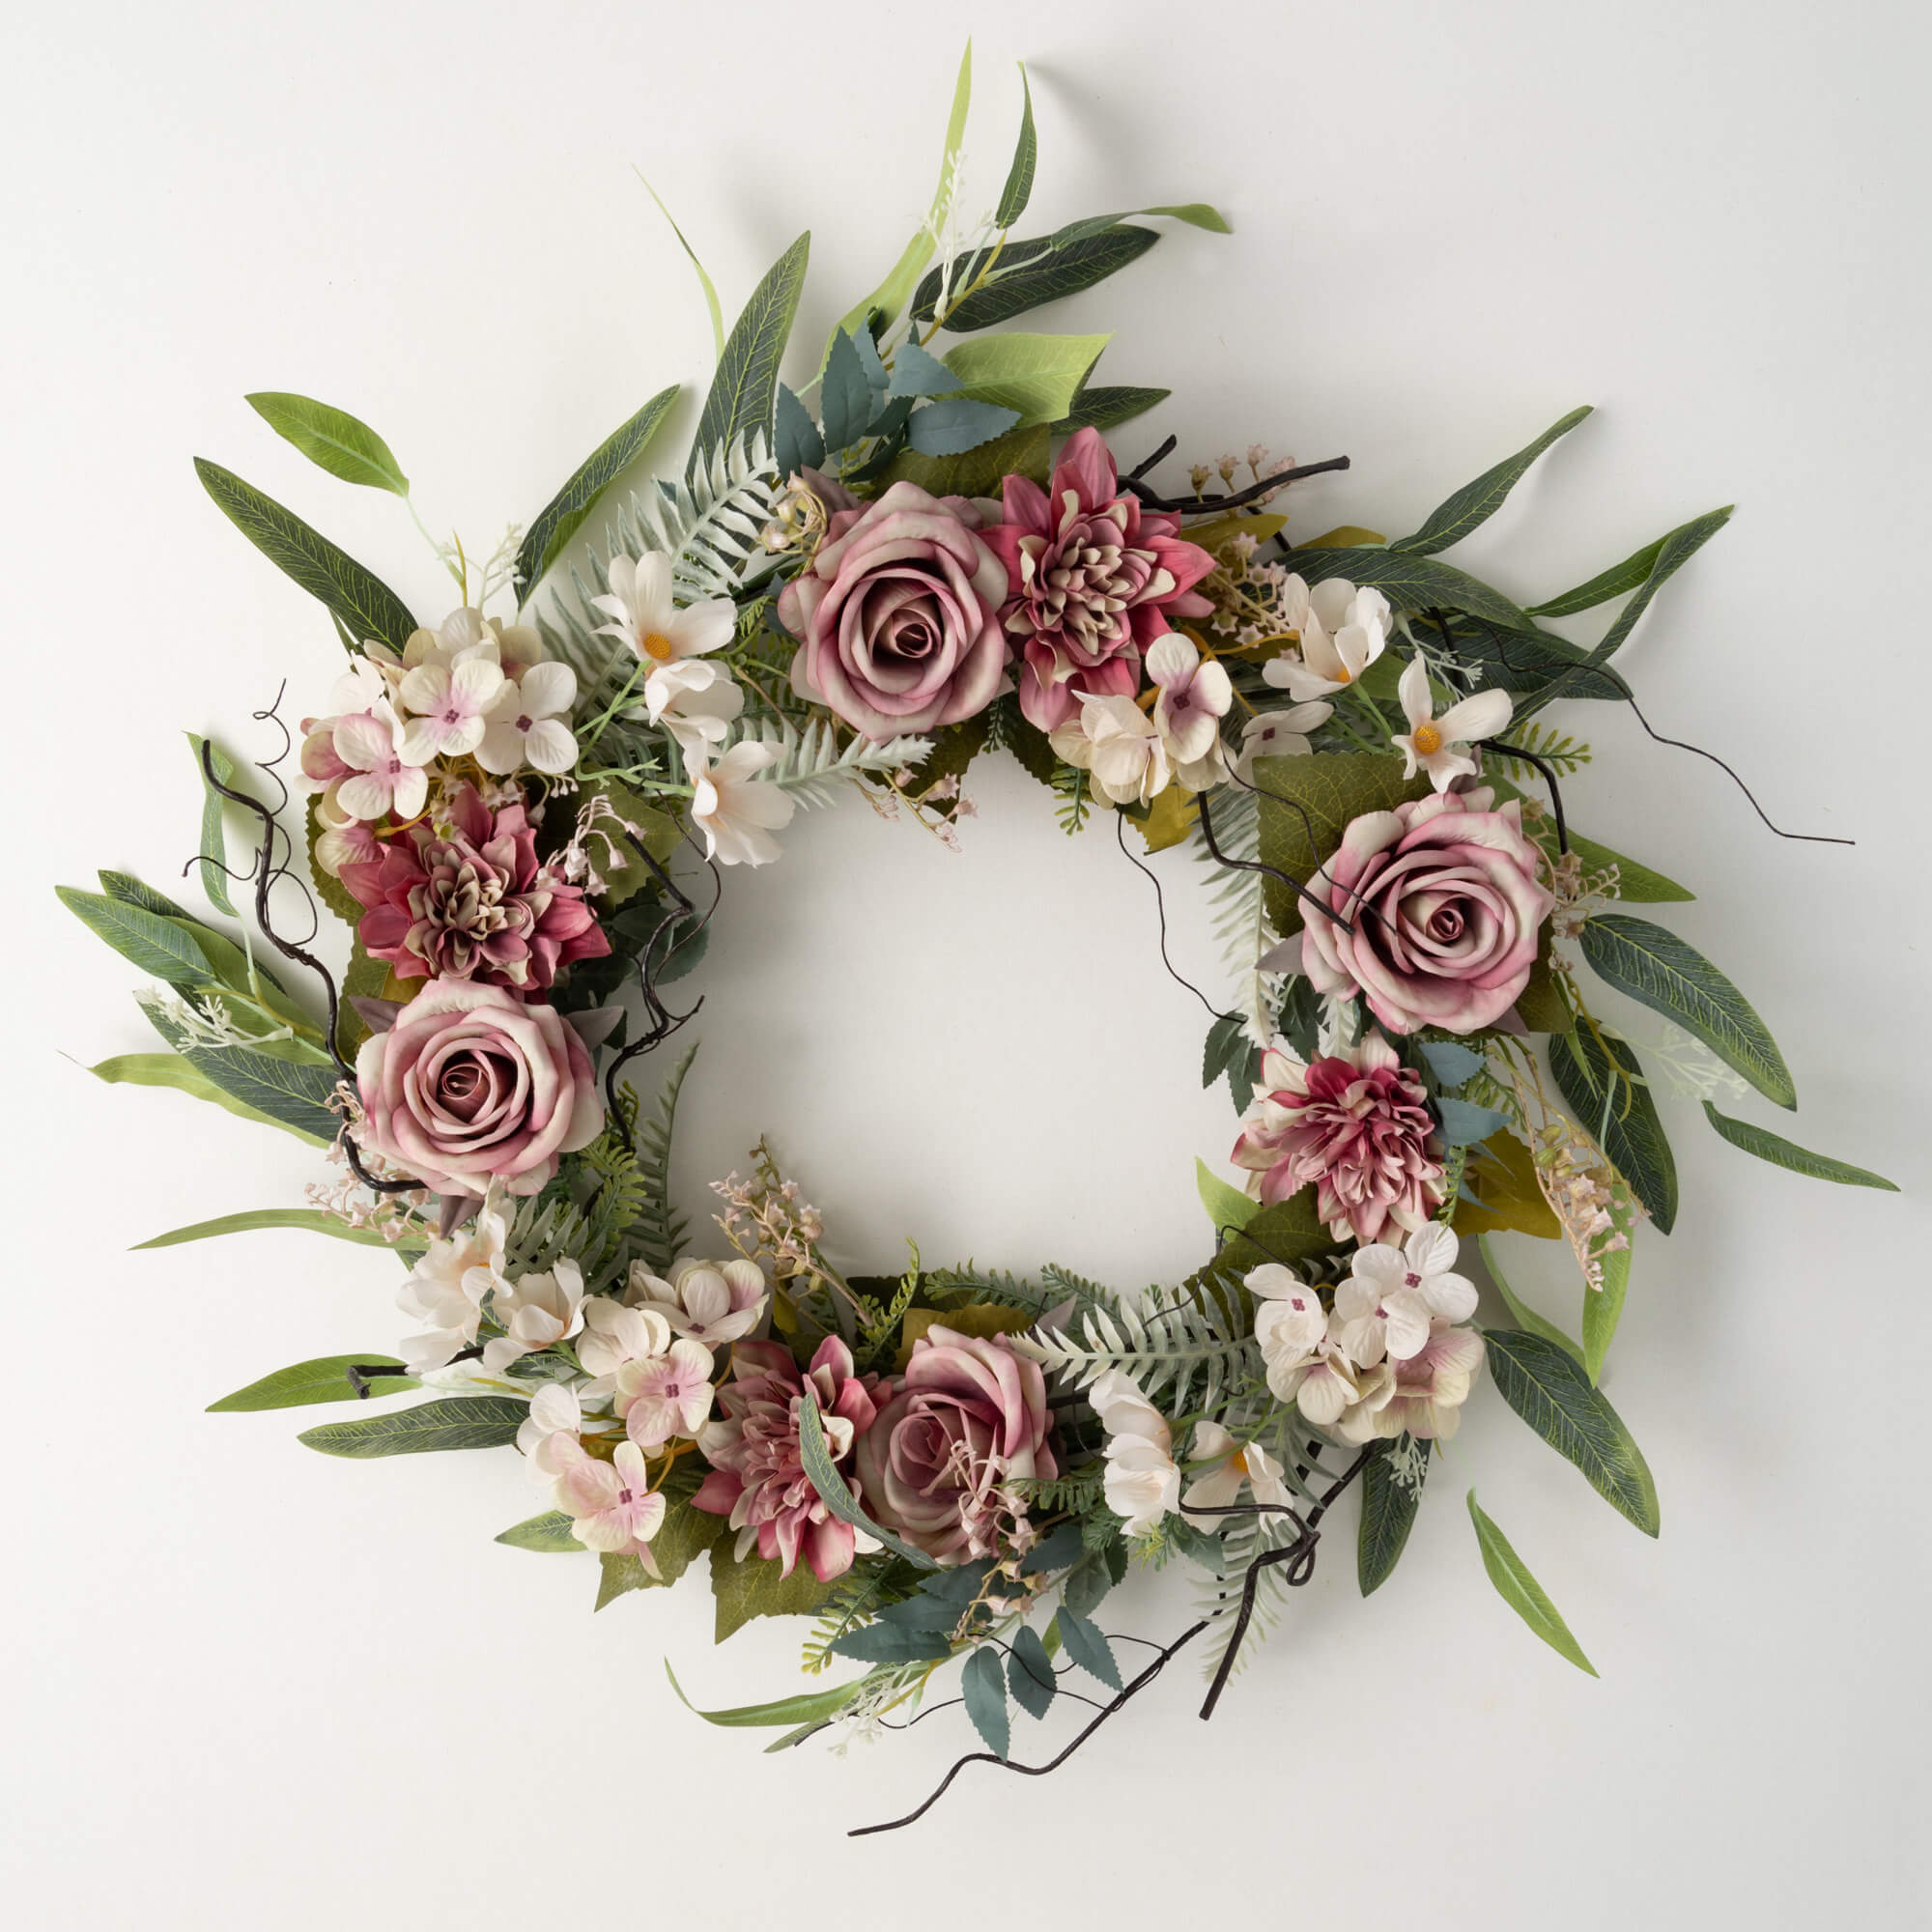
(1307,805)
(1450,521)
(323,1380)
(547,1534)
(339,442)
(1522,1592)
(1780,1153)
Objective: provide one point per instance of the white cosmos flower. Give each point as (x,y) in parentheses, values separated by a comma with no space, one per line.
(1342,631)
(451,706)
(528,722)
(1422,1266)
(1234,1465)
(1119,744)
(736,813)
(1433,742)
(535,1310)
(643,612)
(1142,1483)
(1280,734)
(384,778)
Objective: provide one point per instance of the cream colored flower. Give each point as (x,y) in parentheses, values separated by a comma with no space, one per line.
(1119,744)
(536,1311)
(1436,744)
(713,1303)
(735,812)
(1142,1482)
(447,1288)
(1340,631)
(642,610)
(1234,1465)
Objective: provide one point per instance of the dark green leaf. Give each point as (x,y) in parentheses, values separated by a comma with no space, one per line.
(1018,190)
(1030,1673)
(892,1643)
(985,1684)
(807,1707)
(1029,274)
(1552,1393)
(323,1380)
(339,442)
(1473,505)
(1524,661)
(1061,1549)
(958,1584)
(925,1611)
(214,839)
(454,1421)
(549,1534)
(755,1589)
(1196,213)
(980,472)
(685,1535)
(1389,1515)
(844,395)
(293,1093)
(360,601)
(1105,407)
(1670,976)
(559,519)
(1409,582)
(1625,577)
(744,388)
(1768,1145)
(796,443)
(1522,1592)
(1602,1081)
(1087,1647)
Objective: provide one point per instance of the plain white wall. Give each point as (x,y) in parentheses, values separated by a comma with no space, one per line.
(253,1686)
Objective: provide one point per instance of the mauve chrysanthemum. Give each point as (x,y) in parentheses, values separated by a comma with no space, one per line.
(1356,1124)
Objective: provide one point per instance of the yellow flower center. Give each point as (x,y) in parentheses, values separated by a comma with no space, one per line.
(657,645)
(1428,738)
(1341,675)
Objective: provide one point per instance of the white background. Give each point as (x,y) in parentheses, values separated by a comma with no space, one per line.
(251,1686)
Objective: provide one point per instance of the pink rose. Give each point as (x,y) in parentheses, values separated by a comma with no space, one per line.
(1091,577)
(1355,1124)
(969,1417)
(473,1085)
(1445,903)
(899,614)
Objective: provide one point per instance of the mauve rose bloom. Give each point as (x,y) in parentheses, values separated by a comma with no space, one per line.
(475,905)
(899,616)
(471,1085)
(969,1417)
(757,1478)
(1091,578)
(1445,903)
(1356,1125)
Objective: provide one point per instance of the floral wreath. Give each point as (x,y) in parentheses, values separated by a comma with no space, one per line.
(926,555)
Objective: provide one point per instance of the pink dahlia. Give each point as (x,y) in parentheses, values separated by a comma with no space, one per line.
(1091,578)
(756,1477)
(475,905)
(1355,1123)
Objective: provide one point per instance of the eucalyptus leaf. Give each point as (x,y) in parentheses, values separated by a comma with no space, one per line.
(1027,276)
(339,442)
(822,1473)
(1410,582)
(1668,975)
(1604,1082)
(1472,506)
(1030,1673)
(743,391)
(1104,408)
(559,519)
(454,1421)
(983,1683)
(1388,1513)
(549,1534)
(1635,569)
(323,1380)
(952,427)
(1767,1145)
(806,1707)
(1522,1592)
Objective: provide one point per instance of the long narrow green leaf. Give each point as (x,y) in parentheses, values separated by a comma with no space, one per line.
(1603,1307)
(323,1380)
(130,891)
(1637,884)
(340,444)
(1103,408)
(558,520)
(807,1707)
(310,1220)
(1670,976)
(1028,274)
(1388,1513)
(1623,578)
(172,1069)
(704,281)
(1409,582)
(1554,1394)
(822,1473)
(1018,190)
(1602,1081)
(1472,506)
(156,944)
(1522,1592)
(1524,1316)
(295,1093)
(455,1422)
(360,601)
(214,839)
(1780,1153)
(745,387)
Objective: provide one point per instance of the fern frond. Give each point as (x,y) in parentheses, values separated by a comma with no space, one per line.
(1237,908)
(860,1594)
(657,1229)
(1076,794)
(711,526)
(1564,755)
(1077,1494)
(812,764)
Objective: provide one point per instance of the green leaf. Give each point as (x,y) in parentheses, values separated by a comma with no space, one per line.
(822,1473)
(796,443)
(1105,409)
(1524,661)
(151,941)
(1029,274)
(1018,190)
(1522,1592)
(1228,1208)
(1196,214)
(1087,1648)
(214,839)
(704,281)
(1389,1515)
(1526,1316)
(1602,1081)
(1636,883)
(1670,976)
(979,473)
(1768,1145)
(1502,1178)
(172,1069)
(313,1220)
(1030,1673)
(742,392)
(130,890)
(549,1534)
(559,519)
(1473,505)
(1603,1307)
(294,1094)
(1634,570)
(686,1533)
(323,1380)
(1306,806)
(339,442)
(1036,376)
(844,395)
(1410,582)
(1552,1393)
(894,1643)
(915,372)
(985,1684)
(807,1707)
(952,427)
(360,601)
(455,1422)
(755,1589)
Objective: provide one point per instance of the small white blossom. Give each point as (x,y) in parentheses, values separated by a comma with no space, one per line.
(1434,745)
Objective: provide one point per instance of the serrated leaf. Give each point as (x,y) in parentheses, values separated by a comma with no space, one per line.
(360,600)
(1668,975)
(1228,1208)
(893,1643)
(1018,190)
(1308,802)
(214,839)
(844,395)
(1410,582)
(1030,1673)
(1087,1648)
(455,1422)
(1768,1145)
(1031,275)
(341,443)
(1602,1081)
(755,1589)
(1104,408)
(796,441)
(1524,1315)
(954,425)
(323,1380)
(559,519)
(918,371)
(311,1220)
(1451,1064)
(741,393)
(1289,1232)
(685,1535)
(1472,506)
(549,1534)
(1552,1393)
(1227,1048)
(822,1473)
(1463,1123)
(1522,1592)
(1388,1513)
(807,1707)
(983,1684)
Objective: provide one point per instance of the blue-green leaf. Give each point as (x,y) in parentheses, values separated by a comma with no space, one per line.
(917,372)
(1087,1647)
(1451,1064)
(844,395)
(1522,1592)
(559,519)
(332,439)
(323,1380)
(1465,1123)
(951,428)
(796,443)
(892,1643)
(985,1684)
(454,1421)
(1030,1673)
(1784,1153)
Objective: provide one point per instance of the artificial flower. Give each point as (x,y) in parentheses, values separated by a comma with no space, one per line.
(1235,1466)
(1142,1483)
(556,1409)
(1119,744)
(1341,632)
(611,1505)
(1423,1266)
(615,1333)
(1434,744)
(643,609)
(447,1288)
(451,707)
(713,1303)
(1279,734)
(536,1312)
(1289,1322)
(370,746)
(1194,698)
(1425,1393)
(1372,1321)
(462,634)
(341,838)
(666,1395)
(695,700)
(528,722)
(736,813)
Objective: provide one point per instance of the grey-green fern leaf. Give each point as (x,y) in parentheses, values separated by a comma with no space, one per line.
(1239,908)
(1181,1350)
(659,1231)
(812,764)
